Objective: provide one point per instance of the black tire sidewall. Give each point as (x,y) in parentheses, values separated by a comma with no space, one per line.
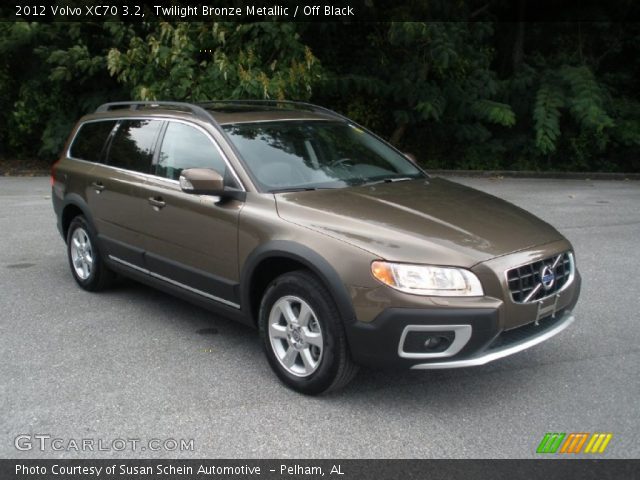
(305,286)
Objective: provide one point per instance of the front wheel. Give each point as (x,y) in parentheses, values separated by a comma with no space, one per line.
(303,334)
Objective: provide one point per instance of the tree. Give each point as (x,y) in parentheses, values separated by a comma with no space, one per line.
(480,94)
(434,78)
(48,79)
(198,61)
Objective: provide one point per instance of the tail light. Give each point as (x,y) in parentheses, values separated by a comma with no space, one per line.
(52,177)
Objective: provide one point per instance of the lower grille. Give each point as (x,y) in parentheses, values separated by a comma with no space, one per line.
(540,279)
(519,334)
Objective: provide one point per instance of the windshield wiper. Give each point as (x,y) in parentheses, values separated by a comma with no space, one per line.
(299,189)
(364,184)
(293,189)
(386,180)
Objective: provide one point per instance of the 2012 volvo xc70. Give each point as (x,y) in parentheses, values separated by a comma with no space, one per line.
(294,219)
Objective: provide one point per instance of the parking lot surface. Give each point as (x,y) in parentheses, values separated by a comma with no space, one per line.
(134,363)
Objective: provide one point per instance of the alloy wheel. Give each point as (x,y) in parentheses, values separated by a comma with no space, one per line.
(81,253)
(295,335)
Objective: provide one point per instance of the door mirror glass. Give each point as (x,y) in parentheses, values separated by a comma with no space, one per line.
(203,181)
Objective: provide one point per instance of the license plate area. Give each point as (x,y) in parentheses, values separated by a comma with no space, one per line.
(547,307)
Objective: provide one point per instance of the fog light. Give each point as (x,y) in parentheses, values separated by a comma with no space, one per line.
(427,342)
(432,342)
(438,342)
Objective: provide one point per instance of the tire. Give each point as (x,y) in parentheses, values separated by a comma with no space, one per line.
(87,266)
(303,335)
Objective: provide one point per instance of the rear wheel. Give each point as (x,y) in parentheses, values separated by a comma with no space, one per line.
(303,334)
(86,264)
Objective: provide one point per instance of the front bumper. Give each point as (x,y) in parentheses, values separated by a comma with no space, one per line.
(503,349)
(472,336)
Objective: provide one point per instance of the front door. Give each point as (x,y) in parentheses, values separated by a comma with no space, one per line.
(191,240)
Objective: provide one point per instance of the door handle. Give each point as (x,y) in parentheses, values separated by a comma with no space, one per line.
(98,186)
(157,202)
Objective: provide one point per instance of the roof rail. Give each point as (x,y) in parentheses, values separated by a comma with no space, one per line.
(197,110)
(301,105)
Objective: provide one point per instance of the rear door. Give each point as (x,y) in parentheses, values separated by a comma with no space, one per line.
(85,152)
(115,197)
(191,240)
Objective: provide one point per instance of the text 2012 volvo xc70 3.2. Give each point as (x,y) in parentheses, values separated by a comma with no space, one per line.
(294,219)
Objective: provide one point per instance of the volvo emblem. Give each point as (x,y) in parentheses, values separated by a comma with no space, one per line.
(547,277)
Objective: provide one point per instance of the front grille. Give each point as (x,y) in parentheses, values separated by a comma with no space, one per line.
(540,279)
(524,332)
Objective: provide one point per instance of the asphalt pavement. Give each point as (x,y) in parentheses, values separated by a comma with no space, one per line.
(135,364)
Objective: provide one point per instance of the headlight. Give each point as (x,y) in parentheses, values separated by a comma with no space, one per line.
(428,279)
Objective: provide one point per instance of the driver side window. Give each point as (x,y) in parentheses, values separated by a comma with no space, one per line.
(184,147)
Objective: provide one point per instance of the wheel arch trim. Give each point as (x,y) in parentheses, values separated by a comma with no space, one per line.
(311,259)
(75,200)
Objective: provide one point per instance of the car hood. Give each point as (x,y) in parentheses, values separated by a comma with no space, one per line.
(422,221)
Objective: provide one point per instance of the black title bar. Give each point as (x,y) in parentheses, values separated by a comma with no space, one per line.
(322,10)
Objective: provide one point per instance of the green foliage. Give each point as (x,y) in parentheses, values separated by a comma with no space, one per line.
(55,68)
(546,117)
(586,100)
(494,112)
(575,89)
(223,60)
(477,94)
(559,106)
(626,130)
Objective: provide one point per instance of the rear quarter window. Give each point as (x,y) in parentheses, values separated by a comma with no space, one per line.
(90,139)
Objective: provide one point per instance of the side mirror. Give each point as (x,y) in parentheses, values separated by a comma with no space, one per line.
(411,157)
(203,181)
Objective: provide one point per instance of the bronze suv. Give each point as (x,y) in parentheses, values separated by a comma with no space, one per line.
(294,219)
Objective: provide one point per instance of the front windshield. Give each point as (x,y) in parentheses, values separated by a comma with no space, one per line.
(292,155)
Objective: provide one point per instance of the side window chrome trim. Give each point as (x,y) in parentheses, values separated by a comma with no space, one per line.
(165,119)
(124,170)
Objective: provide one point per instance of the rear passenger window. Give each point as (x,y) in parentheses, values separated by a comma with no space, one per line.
(132,145)
(90,140)
(187,147)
